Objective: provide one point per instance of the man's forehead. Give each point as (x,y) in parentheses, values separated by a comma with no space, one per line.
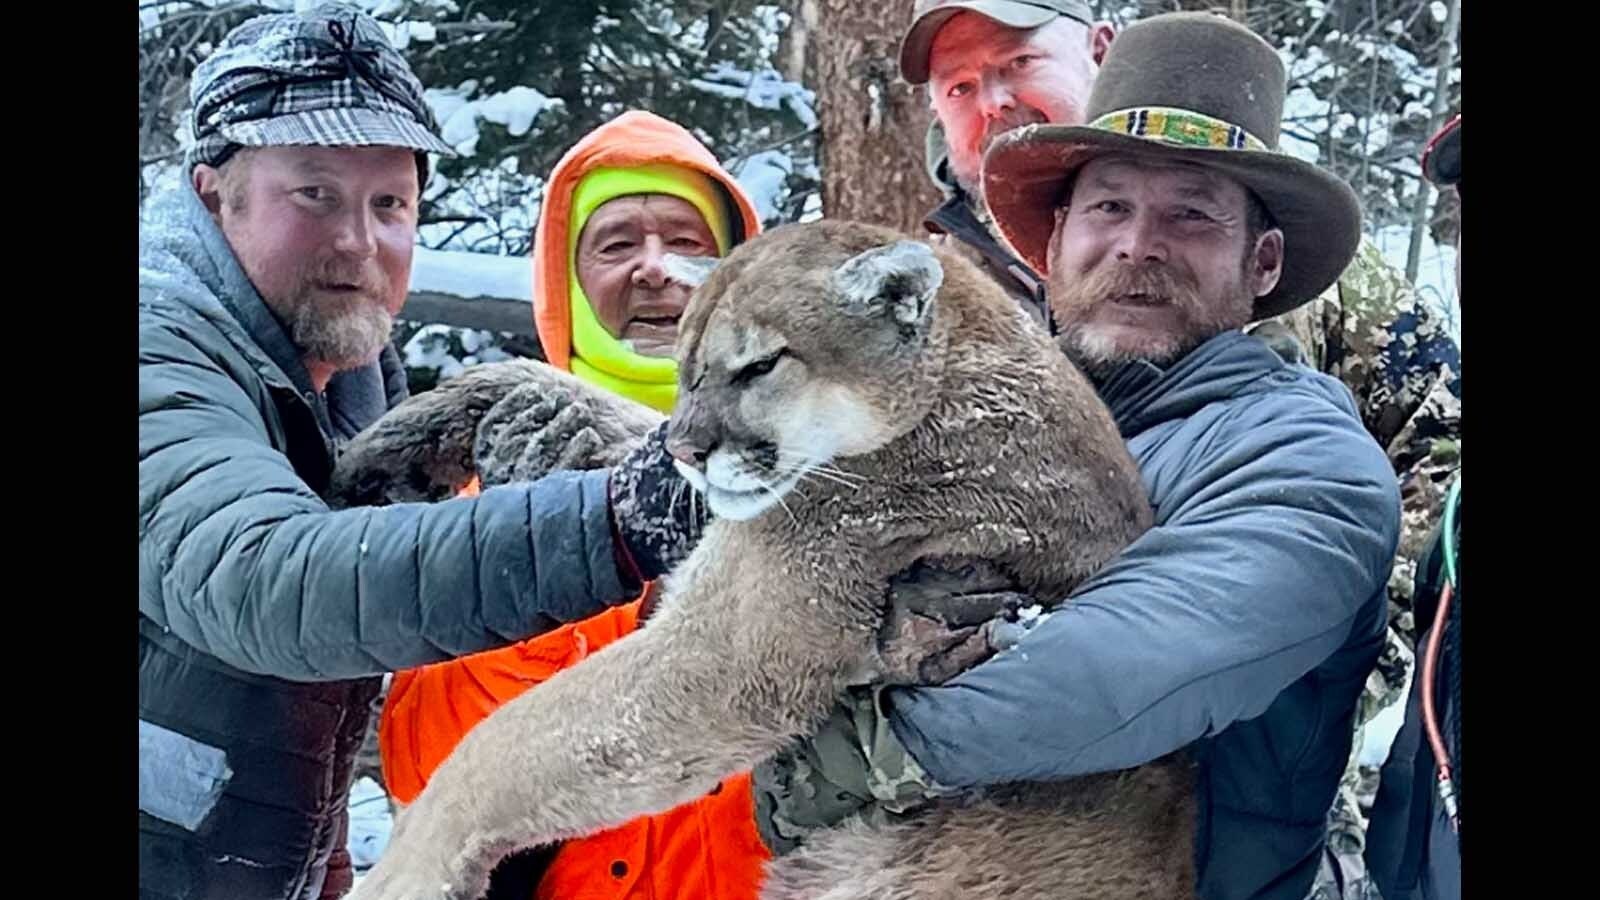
(345,161)
(621,212)
(1121,171)
(968,37)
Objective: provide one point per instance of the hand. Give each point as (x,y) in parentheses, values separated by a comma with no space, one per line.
(945,619)
(940,621)
(658,516)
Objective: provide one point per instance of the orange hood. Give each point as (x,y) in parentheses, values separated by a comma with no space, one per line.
(631,139)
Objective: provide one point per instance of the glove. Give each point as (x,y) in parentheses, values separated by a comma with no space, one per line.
(658,517)
(940,621)
(543,427)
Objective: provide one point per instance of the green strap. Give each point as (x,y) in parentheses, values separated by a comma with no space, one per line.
(1447,532)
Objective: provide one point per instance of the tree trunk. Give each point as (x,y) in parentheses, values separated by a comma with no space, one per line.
(874,124)
(1443,62)
(791,57)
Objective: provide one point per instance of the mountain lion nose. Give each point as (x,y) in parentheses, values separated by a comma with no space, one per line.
(687,452)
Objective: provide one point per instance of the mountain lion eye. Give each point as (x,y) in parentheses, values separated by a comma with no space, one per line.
(758,368)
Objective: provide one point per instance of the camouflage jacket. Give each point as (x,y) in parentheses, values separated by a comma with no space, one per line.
(1371,331)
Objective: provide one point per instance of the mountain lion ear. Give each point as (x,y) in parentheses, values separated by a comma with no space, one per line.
(689,271)
(898,281)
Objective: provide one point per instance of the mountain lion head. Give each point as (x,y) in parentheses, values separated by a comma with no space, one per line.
(809,344)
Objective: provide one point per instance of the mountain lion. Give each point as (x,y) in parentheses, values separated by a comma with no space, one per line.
(850,404)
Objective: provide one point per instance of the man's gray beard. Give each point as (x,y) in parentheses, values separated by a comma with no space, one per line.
(347,338)
(1099,358)
(1099,363)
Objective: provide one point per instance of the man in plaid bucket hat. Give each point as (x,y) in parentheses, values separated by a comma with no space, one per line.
(268,284)
(324,94)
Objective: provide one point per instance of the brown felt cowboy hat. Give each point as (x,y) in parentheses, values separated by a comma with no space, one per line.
(1191,86)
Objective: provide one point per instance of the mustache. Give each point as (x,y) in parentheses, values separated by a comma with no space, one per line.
(1155,282)
(364,278)
(669,300)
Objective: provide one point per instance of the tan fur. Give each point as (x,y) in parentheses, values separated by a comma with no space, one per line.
(988,445)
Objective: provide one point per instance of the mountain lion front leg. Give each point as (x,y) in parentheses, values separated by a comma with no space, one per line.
(650,722)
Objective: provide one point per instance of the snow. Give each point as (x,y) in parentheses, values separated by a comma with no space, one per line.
(764,89)
(812,210)
(515,108)
(163,177)
(771,21)
(429,348)
(764,177)
(1436,270)
(472,274)
(370,823)
(1301,103)
(438,183)
(1378,737)
(150,16)
(460,116)
(401,34)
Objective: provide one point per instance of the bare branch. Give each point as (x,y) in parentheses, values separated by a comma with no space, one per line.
(783,142)
(160,158)
(439,220)
(1313,139)
(201,13)
(474,27)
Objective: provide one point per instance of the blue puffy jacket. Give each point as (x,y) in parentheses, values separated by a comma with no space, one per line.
(1242,625)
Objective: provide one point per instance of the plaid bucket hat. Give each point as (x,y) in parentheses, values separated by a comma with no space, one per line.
(327,77)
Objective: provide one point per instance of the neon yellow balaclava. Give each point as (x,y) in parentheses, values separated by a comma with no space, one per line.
(597,357)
